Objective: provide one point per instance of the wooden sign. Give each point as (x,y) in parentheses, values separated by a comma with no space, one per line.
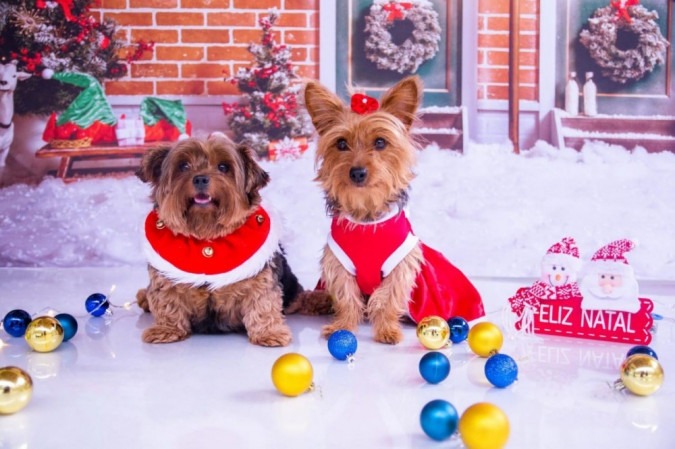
(567,318)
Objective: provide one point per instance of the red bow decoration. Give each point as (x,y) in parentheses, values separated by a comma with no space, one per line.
(395,10)
(65,4)
(622,8)
(363,104)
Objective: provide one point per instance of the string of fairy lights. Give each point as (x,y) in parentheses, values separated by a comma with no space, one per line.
(45,330)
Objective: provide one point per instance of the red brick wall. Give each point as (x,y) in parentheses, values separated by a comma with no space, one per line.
(197,41)
(493,49)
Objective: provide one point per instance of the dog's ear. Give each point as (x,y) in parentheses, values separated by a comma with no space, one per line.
(255,178)
(324,107)
(151,164)
(402,100)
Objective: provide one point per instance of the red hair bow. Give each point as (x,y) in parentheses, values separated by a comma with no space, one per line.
(363,104)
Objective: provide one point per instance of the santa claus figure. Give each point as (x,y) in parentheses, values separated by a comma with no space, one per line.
(559,268)
(609,281)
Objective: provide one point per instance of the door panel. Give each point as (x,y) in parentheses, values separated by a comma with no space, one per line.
(441,74)
(650,95)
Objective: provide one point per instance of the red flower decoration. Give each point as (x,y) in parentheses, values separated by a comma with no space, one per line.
(622,9)
(363,104)
(395,10)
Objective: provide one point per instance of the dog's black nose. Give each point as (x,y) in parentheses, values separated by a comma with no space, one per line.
(200,182)
(3,82)
(358,175)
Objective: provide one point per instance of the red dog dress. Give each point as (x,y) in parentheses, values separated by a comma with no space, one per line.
(370,251)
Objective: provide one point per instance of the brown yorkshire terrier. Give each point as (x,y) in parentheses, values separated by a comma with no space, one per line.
(213,251)
(373,265)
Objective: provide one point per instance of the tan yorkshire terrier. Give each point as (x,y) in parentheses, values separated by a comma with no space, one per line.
(373,265)
(213,251)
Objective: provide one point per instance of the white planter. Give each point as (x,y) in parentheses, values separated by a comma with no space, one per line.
(22,165)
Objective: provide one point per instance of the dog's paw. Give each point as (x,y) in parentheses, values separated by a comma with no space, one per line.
(163,334)
(142,300)
(389,336)
(272,338)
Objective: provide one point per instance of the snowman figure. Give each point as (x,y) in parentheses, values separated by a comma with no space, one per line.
(558,280)
(560,265)
(609,281)
(559,268)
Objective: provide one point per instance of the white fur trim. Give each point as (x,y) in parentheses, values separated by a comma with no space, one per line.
(392,213)
(342,256)
(249,268)
(607,266)
(399,254)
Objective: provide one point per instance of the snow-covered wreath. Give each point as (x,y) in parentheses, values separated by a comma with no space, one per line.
(420,46)
(631,64)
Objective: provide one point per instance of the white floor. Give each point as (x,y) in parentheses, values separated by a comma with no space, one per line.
(107,389)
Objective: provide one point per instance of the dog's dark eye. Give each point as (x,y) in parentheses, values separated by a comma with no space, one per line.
(184,166)
(223,167)
(380,143)
(341,145)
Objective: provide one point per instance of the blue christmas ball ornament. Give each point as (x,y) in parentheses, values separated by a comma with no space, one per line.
(642,350)
(96,304)
(69,325)
(16,322)
(501,370)
(434,367)
(439,419)
(342,344)
(459,329)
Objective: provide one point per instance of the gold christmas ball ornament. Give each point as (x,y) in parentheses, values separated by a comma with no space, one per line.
(641,374)
(16,389)
(292,374)
(485,339)
(44,334)
(433,332)
(484,426)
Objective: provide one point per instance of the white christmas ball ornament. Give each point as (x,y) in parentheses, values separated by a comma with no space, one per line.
(47,74)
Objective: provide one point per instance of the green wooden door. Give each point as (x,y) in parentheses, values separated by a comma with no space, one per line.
(653,94)
(441,74)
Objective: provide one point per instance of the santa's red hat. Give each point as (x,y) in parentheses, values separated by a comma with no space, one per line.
(565,252)
(611,258)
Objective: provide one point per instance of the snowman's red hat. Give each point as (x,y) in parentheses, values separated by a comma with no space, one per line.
(565,252)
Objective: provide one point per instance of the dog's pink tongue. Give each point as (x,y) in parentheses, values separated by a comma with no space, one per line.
(202,198)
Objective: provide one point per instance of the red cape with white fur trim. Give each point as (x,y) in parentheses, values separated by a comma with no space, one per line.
(223,261)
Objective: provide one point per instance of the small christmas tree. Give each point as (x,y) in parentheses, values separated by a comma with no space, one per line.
(270,110)
(64,37)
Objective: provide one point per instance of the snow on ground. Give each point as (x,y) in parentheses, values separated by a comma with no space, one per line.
(489,211)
